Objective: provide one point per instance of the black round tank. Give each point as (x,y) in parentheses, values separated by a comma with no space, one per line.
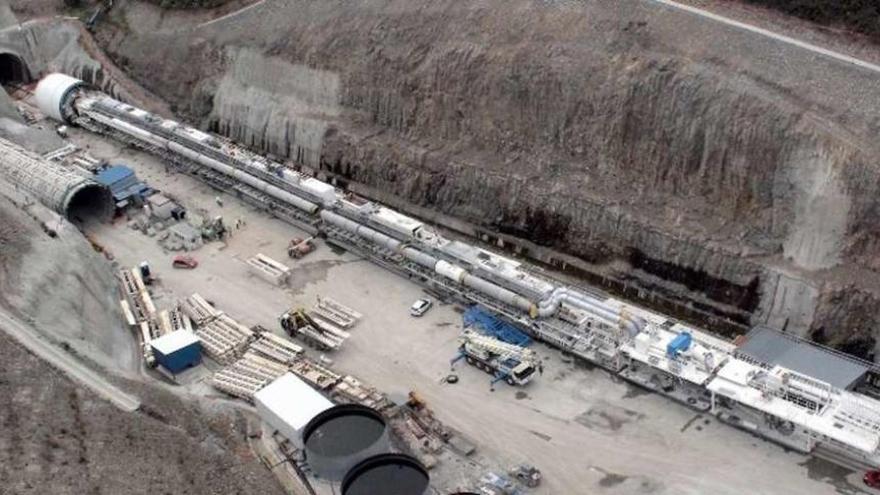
(340,437)
(386,474)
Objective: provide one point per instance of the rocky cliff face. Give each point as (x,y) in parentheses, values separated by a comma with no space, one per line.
(724,174)
(60,45)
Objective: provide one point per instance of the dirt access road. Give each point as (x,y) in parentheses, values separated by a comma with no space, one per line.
(72,367)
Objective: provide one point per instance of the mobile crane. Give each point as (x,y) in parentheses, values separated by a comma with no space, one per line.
(514,364)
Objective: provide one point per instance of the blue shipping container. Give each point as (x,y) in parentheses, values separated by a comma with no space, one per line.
(177,351)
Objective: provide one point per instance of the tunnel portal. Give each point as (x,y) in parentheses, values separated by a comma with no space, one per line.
(13,70)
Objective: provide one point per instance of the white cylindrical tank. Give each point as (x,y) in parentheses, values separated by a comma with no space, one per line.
(365,232)
(379,238)
(340,221)
(53,95)
(450,271)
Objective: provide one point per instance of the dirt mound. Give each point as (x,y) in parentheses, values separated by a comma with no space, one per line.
(57,438)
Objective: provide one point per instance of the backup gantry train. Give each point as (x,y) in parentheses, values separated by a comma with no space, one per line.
(806,398)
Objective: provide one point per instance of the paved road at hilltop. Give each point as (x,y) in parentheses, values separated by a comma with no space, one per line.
(770,34)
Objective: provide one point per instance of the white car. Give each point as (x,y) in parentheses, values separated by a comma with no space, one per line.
(420,307)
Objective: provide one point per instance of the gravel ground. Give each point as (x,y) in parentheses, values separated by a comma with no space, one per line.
(586,431)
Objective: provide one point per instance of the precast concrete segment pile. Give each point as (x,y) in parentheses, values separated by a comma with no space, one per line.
(56,187)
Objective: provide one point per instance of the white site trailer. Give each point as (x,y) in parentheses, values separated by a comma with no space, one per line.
(288,404)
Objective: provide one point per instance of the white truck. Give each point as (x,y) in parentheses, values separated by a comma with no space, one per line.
(514,364)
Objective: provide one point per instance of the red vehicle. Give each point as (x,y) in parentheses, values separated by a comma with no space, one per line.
(300,247)
(872,478)
(185,262)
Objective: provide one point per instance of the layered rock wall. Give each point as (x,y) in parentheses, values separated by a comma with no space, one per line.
(722,170)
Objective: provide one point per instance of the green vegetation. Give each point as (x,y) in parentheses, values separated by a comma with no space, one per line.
(862,16)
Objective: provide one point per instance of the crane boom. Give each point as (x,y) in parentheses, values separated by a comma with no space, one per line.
(514,364)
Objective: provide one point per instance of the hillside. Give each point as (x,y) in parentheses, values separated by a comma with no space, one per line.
(59,438)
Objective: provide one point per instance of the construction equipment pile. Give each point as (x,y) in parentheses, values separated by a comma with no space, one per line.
(423,435)
(335,313)
(276,348)
(141,314)
(325,326)
(268,269)
(316,375)
(247,376)
(223,339)
(350,390)
(254,357)
(199,310)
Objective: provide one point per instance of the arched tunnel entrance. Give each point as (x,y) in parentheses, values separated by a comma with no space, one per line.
(13,70)
(88,204)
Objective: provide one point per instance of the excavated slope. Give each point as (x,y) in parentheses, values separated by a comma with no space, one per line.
(733,177)
(58,438)
(52,279)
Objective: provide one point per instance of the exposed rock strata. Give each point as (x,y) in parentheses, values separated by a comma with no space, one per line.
(739,173)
